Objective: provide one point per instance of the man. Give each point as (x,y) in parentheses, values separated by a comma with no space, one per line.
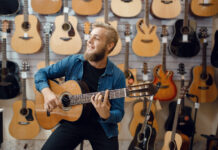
(98,122)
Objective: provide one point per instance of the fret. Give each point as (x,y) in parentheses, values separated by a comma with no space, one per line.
(25,11)
(47,58)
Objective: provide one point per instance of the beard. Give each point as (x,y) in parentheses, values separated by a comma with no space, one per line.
(96,56)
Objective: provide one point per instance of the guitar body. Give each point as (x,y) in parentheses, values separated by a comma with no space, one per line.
(204,10)
(165,10)
(146,42)
(84,7)
(10,88)
(118,47)
(205,89)
(73,114)
(9,7)
(18,41)
(214,55)
(167,90)
(61,41)
(167,142)
(24,127)
(184,49)
(46,7)
(130,8)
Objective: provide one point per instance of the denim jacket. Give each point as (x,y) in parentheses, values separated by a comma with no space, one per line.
(72,68)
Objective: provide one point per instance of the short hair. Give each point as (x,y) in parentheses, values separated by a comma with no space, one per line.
(112,36)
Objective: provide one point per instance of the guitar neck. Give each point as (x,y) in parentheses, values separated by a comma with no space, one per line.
(126,64)
(106,11)
(164,57)
(4,54)
(47,58)
(185,22)
(24,93)
(204,59)
(66,9)
(175,121)
(147,13)
(25,11)
(182,86)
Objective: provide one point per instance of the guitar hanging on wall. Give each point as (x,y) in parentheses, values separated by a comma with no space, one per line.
(9,79)
(26,38)
(9,7)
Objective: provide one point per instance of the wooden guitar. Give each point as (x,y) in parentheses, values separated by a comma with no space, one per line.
(185,42)
(46,7)
(9,78)
(87,7)
(9,7)
(168,88)
(118,47)
(166,9)
(214,54)
(204,8)
(69,93)
(126,8)
(26,38)
(24,125)
(47,62)
(65,40)
(202,83)
(130,74)
(146,43)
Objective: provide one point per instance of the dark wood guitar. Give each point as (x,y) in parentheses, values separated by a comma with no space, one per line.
(202,83)
(9,7)
(185,42)
(168,88)
(9,79)
(23,125)
(70,94)
(214,54)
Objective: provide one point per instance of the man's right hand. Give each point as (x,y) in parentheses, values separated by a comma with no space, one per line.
(50,99)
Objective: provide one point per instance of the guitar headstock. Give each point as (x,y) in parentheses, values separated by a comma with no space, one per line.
(181,69)
(87,27)
(25,66)
(127,30)
(203,34)
(5,28)
(48,28)
(164,31)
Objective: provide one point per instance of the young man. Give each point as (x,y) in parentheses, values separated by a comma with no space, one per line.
(98,122)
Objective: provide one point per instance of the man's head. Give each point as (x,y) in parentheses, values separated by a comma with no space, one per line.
(103,39)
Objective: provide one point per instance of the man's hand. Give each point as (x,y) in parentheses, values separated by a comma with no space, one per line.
(50,99)
(102,107)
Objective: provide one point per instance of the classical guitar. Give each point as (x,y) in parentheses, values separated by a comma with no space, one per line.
(204,8)
(46,7)
(126,8)
(65,40)
(146,43)
(105,19)
(130,74)
(168,89)
(26,38)
(9,78)
(202,83)
(70,94)
(9,7)
(185,42)
(166,9)
(87,7)
(214,54)
(23,125)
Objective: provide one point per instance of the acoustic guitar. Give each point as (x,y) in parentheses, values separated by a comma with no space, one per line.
(70,94)
(26,38)
(65,40)
(46,7)
(23,125)
(87,7)
(126,8)
(9,78)
(168,88)
(214,54)
(204,8)
(146,43)
(185,42)
(166,9)
(130,74)
(9,7)
(202,83)
(104,19)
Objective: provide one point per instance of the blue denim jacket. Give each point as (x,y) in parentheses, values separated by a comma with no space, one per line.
(72,68)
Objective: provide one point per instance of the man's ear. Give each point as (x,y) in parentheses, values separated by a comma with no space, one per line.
(110,46)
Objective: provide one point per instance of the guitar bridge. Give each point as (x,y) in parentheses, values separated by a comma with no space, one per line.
(203,88)
(147,41)
(65,39)
(25,38)
(23,123)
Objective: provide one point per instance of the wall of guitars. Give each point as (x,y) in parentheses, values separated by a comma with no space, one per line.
(174,42)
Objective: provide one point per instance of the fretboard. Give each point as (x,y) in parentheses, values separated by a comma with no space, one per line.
(66,9)
(25,11)
(24,93)
(185,22)
(47,59)
(147,13)
(106,11)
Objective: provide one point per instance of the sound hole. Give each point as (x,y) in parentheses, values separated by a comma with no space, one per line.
(23,111)
(203,76)
(66,27)
(65,100)
(26,25)
(185,30)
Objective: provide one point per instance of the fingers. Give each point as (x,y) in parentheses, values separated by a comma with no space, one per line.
(97,99)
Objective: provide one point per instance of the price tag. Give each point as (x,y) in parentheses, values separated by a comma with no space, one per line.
(197,105)
(185,37)
(179,101)
(86,37)
(164,39)
(4,35)
(205,40)
(145,77)
(66,9)
(206,2)
(127,38)
(23,75)
(25,35)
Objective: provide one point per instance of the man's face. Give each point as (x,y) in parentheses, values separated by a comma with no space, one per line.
(96,45)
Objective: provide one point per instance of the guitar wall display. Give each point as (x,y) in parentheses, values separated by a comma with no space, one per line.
(9,7)
(185,42)
(214,54)
(23,125)
(65,40)
(26,38)
(202,83)
(9,78)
